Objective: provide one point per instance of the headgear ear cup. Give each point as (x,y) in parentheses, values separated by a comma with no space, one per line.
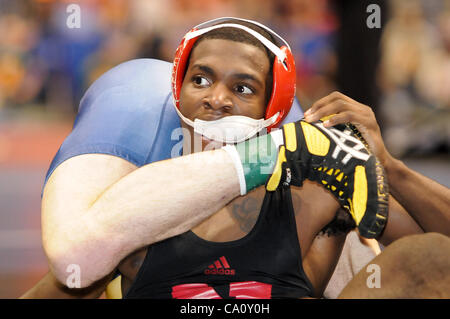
(284,76)
(283,89)
(179,67)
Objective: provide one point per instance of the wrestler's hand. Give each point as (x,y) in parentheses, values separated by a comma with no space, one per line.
(337,108)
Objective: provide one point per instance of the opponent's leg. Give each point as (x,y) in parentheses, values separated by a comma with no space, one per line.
(416,266)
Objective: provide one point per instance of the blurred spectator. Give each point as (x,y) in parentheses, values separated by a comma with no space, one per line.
(309,27)
(51,54)
(17,38)
(357,47)
(415,77)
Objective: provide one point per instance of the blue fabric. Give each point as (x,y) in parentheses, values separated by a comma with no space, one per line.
(128,112)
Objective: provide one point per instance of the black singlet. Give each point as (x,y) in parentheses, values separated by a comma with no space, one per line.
(266,263)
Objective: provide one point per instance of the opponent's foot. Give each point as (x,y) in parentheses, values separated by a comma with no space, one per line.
(337,159)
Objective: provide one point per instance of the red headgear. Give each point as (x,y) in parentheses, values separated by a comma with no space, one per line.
(283,90)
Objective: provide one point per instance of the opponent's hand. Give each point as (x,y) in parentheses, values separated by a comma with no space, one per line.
(338,160)
(337,108)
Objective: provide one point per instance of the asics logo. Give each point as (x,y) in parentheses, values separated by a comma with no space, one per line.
(342,139)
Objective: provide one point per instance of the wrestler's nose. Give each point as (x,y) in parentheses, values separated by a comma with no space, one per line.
(219,98)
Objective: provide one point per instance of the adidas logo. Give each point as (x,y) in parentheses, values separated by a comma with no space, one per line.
(220,267)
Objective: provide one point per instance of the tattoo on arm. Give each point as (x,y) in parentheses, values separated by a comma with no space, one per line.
(246,210)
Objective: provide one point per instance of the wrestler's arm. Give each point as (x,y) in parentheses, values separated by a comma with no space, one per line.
(321,260)
(315,208)
(96,209)
(426,201)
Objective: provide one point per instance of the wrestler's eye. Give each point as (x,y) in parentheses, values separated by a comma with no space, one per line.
(244,89)
(200,81)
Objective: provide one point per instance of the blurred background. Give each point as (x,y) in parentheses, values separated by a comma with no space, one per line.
(402,70)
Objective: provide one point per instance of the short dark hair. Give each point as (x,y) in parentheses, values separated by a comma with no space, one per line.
(239,35)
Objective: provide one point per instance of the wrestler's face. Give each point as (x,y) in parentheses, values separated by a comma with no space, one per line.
(224,78)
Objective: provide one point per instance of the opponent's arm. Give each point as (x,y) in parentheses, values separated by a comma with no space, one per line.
(426,201)
(96,209)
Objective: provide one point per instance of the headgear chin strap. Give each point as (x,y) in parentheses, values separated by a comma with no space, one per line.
(229,129)
(284,77)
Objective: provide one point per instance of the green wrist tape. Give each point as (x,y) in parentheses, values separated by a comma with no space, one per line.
(258,157)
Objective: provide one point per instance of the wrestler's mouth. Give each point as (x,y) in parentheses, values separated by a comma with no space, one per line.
(211,116)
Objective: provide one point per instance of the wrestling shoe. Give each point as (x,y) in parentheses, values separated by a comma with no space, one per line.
(338,159)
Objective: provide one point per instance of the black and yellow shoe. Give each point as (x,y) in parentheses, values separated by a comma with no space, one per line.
(340,161)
